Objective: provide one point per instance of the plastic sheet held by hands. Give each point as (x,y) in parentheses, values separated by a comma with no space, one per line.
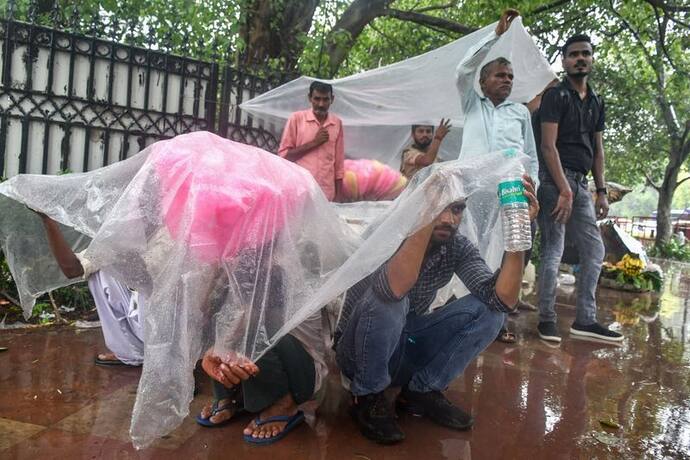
(232,248)
(379,106)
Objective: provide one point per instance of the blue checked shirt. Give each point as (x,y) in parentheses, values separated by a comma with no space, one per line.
(459,256)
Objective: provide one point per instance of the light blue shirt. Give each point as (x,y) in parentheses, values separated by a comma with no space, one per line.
(488,128)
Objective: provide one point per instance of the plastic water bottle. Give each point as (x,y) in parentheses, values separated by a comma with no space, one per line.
(515,213)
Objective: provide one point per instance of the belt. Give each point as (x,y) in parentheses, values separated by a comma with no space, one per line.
(578,176)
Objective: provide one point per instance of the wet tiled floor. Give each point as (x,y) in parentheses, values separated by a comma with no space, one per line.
(532,400)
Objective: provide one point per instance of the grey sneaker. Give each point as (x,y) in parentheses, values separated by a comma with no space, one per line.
(597,331)
(548,331)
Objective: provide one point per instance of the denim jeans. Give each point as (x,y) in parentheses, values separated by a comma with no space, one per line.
(383,344)
(582,227)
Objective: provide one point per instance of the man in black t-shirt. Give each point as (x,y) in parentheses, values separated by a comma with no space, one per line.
(571,122)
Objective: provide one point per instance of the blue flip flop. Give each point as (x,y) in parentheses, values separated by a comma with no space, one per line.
(214,411)
(292,422)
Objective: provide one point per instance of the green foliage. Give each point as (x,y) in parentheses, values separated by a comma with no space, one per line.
(7,285)
(671,250)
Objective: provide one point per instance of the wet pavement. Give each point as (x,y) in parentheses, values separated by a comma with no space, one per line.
(531,400)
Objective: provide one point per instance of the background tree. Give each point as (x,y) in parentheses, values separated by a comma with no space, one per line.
(642,65)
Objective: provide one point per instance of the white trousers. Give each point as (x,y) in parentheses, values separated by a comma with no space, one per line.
(118,311)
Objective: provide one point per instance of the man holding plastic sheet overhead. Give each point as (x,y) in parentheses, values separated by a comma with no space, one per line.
(313,139)
(386,336)
(492,122)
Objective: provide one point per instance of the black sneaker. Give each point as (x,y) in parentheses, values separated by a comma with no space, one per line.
(597,331)
(548,331)
(434,405)
(376,418)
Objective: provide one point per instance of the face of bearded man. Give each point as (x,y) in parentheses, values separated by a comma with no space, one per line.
(423,135)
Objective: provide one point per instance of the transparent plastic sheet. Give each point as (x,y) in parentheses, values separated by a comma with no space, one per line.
(78,202)
(379,106)
(371,180)
(283,254)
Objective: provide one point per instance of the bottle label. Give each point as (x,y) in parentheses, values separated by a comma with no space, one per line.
(511,192)
(510,152)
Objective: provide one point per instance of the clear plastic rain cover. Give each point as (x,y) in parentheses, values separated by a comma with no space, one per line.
(379,106)
(230,246)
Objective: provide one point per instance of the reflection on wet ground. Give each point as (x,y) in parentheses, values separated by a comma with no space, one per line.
(532,400)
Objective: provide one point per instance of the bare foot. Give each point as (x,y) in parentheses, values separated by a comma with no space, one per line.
(107,357)
(284,406)
(225,409)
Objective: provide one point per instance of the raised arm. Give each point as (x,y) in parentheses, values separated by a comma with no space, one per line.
(403,268)
(510,278)
(69,263)
(468,67)
(429,157)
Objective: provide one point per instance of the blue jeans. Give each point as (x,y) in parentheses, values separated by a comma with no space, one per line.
(383,344)
(582,227)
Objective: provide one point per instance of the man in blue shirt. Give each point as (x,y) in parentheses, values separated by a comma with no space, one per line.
(492,122)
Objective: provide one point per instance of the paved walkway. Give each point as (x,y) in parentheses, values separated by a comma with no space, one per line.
(532,400)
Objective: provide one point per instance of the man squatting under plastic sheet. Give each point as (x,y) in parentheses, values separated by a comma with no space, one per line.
(117,306)
(385,335)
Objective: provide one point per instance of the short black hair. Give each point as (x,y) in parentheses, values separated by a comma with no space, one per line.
(321,87)
(577,38)
(484,72)
(417,126)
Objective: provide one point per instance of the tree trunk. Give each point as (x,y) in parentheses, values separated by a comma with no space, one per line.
(664,229)
(348,27)
(272,30)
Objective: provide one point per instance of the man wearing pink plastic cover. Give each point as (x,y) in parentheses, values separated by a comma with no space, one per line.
(313,139)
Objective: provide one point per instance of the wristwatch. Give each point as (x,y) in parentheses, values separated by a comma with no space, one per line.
(602,190)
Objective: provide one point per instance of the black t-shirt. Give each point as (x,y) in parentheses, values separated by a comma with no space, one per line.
(578,120)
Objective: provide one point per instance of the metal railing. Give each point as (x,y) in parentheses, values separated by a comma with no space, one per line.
(73,100)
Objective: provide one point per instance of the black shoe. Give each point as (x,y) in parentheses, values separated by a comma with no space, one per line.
(376,419)
(434,405)
(597,331)
(548,331)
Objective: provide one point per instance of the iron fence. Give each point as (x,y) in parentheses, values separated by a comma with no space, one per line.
(73,100)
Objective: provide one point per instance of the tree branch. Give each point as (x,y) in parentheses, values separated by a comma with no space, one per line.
(427,20)
(437,7)
(650,182)
(668,7)
(681,181)
(389,38)
(56,309)
(658,72)
(662,25)
(10,298)
(351,23)
(547,7)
